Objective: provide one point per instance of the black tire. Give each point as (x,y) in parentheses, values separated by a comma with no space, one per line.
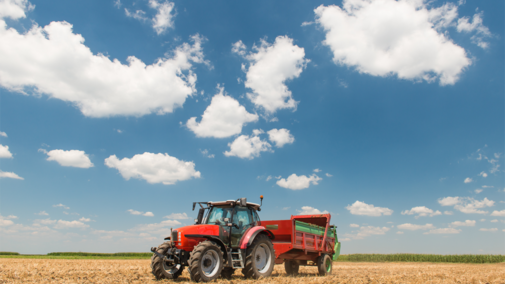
(292,267)
(324,264)
(160,269)
(227,273)
(205,262)
(260,248)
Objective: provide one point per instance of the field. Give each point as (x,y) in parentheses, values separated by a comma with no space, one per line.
(19,270)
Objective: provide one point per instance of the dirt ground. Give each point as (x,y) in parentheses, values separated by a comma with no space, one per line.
(138,271)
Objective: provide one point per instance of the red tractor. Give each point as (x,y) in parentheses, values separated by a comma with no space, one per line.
(229,235)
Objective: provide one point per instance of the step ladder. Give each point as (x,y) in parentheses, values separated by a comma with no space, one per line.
(236,259)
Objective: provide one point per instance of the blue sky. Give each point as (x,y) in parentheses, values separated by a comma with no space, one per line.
(117,115)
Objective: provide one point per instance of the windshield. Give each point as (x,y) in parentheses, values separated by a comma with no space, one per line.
(217,215)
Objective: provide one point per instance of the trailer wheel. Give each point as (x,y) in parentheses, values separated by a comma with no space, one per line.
(205,262)
(227,273)
(324,264)
(292,267)
(260,258)
(160,268)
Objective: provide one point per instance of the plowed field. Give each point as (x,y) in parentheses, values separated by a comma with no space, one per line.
(138,271)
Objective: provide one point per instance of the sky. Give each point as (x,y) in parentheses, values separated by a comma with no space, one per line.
(116,115)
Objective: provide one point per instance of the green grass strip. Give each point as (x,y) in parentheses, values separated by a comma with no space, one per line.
(405,257)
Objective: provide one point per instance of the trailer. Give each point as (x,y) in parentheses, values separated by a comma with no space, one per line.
(304,240)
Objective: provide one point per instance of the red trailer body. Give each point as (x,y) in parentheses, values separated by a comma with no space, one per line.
(292,244)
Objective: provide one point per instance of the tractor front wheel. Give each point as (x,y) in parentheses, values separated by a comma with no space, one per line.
(205,262)
(162,269)
(292,267)
(260,258)
(324,264)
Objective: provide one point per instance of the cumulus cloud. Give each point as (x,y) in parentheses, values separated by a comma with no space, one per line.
(135,212)
(354,226)
(328,175)
(4,221)
(224,117)
(478,190)
(70,158)
(62,206)
(154,168)
(414,227)
(248,147)
(280,137)
(466,204)
(421,211)
(54,61)
(3,134)
(177,216)
(365,231)
(9,175)
(498,213)
(270,66)
(205,153)
(467,223)
(468,180)
(475,26)
(388,37)
(85,219)
(443,231)
(361,208)
(488,230)
(164,15)
(62,224)
(295,182)
(137,15)
(307,210)
(4,152)
(15,9)
(42,213)
(157,228)
(483,174)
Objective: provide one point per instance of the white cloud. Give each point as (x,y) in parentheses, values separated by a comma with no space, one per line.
(156,227)
(137,15)
(466,204)
(246,147)
(307,210)
(488,230)
(177,216)
(62,224)
(387,37)
(328,175)
(205,152)
(414,227)
(478,191)
(85,219)
(494,221)
(61,205)
(224,117)
(9,175)
(239,48)
(295,182)
(483,174)
(467,223)
(54,61)
(70,158)
(269,69)
(498,213)
(4,221)
(3,134)
(421,211)
(365,231)
(399,233)
(361,208)
(281,137)
(481,31)
(15,9)
(42,213)
(163,18)
(487,186)
(154,168)
(4,152)
(269,178)
(444,231)
(468,180)
(316,170)
(135,212)
(354,226)
(285,208)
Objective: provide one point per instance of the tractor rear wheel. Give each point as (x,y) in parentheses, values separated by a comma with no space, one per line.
(260,258)
(324,264)
(205,262)
(162,269)
(292,267)
(227,273)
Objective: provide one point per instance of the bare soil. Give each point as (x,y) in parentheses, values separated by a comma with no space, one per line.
(139,271)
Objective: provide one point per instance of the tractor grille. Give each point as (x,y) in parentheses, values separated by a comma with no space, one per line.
(174,236)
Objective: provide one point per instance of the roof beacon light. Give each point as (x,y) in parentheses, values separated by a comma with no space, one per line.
(261,197)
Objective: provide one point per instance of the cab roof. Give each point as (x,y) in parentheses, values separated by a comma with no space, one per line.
(255,206)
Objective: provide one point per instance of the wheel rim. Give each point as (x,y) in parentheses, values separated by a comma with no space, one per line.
(171,269)
(210,263)
(263,258)
(328,265)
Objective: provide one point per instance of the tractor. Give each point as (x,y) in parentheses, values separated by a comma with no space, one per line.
(226,236)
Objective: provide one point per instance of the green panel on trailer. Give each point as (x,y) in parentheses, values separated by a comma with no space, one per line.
(337,251)
(313,229)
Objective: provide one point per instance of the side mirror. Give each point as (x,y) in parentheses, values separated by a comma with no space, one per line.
(243,202)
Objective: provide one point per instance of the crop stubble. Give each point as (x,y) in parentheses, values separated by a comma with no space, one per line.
(138,271)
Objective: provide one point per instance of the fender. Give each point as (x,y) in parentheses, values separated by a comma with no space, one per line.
(215,239)
(251,234)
